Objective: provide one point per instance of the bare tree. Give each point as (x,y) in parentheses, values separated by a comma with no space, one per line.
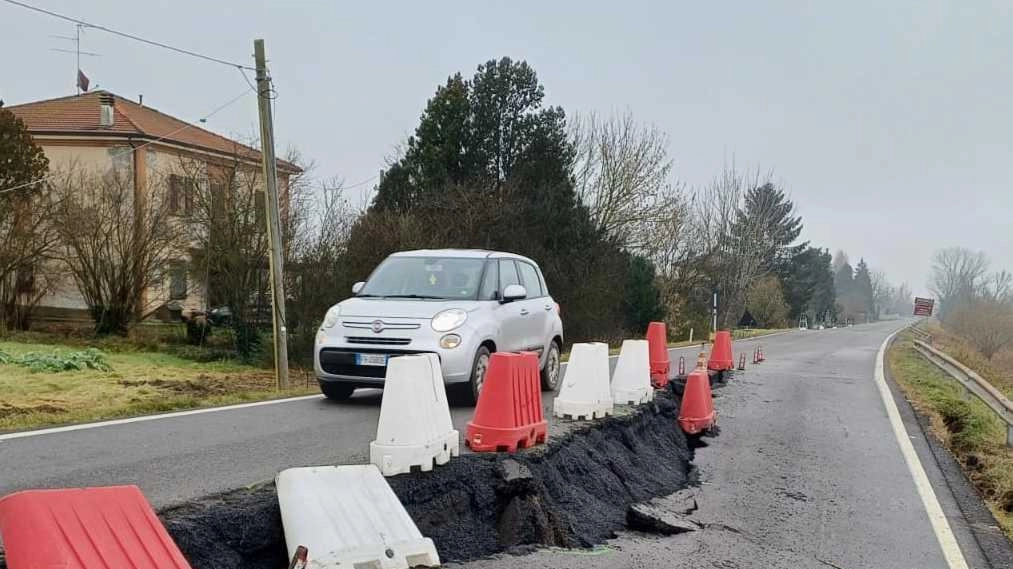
(28,268)
(986,323)
(314,268)
(113,240)
(957,276)
(883,293)
(622,173)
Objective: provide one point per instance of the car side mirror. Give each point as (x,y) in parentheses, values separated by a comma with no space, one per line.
(514,292)
(357,287)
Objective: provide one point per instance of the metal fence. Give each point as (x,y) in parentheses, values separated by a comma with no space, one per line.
(972,384)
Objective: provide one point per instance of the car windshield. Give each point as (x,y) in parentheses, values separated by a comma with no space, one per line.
(425,278)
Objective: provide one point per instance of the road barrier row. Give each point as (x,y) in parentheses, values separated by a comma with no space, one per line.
(972,384)
(348,515)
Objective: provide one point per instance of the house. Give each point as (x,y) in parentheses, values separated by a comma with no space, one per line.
(103,132)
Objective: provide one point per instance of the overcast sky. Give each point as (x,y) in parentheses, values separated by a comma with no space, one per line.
(890,123)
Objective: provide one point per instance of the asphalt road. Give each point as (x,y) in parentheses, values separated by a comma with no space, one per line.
(805,473)
(178,458)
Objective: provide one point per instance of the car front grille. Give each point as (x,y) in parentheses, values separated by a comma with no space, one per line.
(378,341)
(338,361)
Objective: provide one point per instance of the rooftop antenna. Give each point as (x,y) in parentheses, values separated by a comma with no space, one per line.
(76,38)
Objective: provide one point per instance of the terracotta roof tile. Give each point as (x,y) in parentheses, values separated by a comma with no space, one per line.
(79,114)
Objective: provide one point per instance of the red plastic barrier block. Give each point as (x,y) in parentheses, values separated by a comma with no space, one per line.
(721,354)
(508,415)
(85,528)
(657,342)
(696,413)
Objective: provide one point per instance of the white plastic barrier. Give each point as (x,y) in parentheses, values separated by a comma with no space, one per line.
(348,517)
(414,427)
(631,380)
(585,392)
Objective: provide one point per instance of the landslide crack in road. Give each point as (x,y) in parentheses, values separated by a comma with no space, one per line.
(572,492)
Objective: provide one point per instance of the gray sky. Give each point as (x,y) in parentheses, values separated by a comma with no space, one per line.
(890,123)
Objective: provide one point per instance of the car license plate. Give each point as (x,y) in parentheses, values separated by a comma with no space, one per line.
(371,359)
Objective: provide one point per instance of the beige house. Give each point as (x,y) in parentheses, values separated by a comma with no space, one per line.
(103,132)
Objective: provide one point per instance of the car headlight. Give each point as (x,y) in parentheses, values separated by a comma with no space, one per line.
(331,318)
(449,319)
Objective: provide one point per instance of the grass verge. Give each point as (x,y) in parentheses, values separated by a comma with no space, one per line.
(136,383)
(967,427)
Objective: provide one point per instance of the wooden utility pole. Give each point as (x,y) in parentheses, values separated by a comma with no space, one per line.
(273,217)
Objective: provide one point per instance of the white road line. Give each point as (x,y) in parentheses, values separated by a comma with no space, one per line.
(112,422)
(941,527)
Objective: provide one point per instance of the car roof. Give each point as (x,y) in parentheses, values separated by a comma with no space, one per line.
(461,253)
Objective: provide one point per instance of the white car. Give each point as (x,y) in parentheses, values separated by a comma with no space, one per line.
(462,305)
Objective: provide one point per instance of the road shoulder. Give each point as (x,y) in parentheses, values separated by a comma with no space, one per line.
(976,531)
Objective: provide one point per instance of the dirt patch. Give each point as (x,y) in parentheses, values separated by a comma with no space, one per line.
(573,492)
(9,410)
(206,385)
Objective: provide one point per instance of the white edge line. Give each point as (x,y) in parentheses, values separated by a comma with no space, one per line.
(940,525)
(174,414)
(142,418)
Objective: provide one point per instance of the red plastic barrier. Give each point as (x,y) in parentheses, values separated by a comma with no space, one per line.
(696,413)
(85,528)
(509,410)
(721,354)
(657,342)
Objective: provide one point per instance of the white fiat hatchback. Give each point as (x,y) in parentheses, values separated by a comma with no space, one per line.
(462,305)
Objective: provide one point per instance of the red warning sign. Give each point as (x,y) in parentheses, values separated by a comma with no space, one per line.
(923,306)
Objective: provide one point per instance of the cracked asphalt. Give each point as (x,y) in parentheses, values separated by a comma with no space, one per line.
(805,473)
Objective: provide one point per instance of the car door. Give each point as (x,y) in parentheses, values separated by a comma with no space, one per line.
(512,316)
(536,317)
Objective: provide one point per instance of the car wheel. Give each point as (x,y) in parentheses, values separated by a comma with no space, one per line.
(550,373)
(337,391)
(478,369)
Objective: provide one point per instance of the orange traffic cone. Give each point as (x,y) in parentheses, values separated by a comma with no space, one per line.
(696,414)
(509,410)
(721,354)
(657,341)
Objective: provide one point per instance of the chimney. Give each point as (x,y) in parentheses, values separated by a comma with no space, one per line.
(140,99)
(106,115)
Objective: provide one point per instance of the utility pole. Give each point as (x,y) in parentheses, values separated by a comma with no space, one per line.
(273,217)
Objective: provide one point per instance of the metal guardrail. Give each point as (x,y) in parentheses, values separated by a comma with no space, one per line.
(921,335)
(973,384)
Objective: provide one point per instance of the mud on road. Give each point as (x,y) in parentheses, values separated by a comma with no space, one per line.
(572,492)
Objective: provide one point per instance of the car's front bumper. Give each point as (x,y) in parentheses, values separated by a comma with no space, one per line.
(334,360)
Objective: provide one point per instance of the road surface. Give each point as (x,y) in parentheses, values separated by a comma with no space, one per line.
(805,473)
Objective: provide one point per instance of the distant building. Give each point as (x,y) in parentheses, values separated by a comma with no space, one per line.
(104,132)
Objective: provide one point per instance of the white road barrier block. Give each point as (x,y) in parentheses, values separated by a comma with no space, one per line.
(585,392)
(348,517)
(414,427)
(631,380)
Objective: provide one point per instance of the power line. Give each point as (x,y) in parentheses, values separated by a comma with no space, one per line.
(186,126)
(355,185)
(129,36)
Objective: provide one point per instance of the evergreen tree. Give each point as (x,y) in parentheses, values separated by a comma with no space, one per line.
(865,298)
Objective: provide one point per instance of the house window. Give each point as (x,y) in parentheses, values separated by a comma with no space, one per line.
(24,279)
(177,281)
(181,195)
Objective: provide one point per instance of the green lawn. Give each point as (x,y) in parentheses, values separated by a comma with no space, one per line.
(137,383)
(968,428)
